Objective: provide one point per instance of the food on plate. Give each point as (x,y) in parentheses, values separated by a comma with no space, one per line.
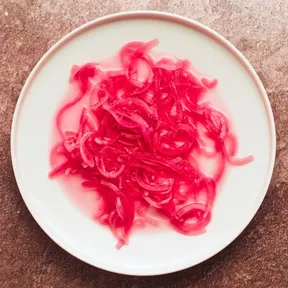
(141,131)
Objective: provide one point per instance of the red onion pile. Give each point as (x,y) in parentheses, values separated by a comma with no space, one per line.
(137,140)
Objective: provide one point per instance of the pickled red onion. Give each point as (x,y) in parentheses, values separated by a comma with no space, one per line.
(137,139)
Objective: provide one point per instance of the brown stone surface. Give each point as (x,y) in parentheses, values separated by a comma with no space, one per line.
(258,257)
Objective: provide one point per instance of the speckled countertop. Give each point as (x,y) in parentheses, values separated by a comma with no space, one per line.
(258,257)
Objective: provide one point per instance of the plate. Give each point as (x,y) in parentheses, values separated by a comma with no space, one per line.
(149,252)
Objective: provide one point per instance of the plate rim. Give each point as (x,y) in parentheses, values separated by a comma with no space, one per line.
(162,16)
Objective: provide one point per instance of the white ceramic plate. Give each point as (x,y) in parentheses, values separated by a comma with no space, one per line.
(151,252)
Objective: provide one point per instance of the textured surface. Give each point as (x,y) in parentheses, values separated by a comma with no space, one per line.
(258,257)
